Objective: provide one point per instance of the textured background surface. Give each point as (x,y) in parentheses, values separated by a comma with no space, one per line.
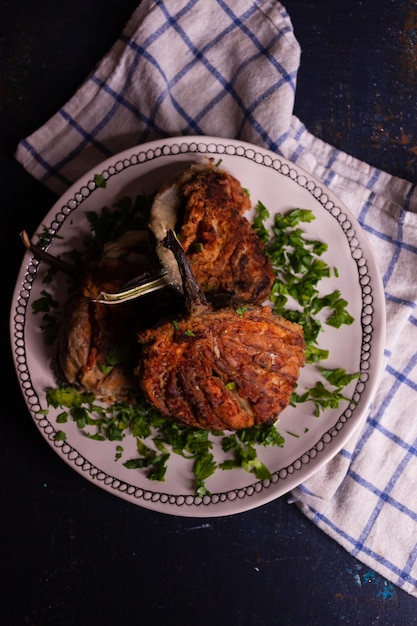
(73,554)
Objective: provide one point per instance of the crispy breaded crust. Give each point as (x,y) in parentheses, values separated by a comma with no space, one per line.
(223,249)
(221,369)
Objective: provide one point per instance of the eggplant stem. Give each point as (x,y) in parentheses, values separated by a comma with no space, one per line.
(53,261)
(194,295)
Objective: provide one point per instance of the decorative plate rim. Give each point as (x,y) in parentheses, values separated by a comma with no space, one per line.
(255,493)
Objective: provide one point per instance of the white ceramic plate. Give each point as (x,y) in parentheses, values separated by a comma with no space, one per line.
(280,185)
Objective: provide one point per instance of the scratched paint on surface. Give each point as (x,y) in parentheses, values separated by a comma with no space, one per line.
(407,72)
(369,582)
(408,60)
(383,588)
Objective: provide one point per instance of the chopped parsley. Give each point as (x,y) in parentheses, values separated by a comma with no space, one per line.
(100,181)
(60,436)
(242,445)
(241,310)
(323,397)
(299,270)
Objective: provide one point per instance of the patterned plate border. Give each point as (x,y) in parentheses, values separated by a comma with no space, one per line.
(150,497)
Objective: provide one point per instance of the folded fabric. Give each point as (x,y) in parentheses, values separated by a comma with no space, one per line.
(228,69)
(180,68)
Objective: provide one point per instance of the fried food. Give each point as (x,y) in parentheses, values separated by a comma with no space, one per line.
(212,366)
(96,348)
(93,350)
(205,205)
(220,369)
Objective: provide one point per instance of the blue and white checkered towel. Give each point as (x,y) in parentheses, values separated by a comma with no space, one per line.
(228,68)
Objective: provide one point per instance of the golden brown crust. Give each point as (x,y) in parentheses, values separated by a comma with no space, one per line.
(222,370)
(224,251)
(92,350)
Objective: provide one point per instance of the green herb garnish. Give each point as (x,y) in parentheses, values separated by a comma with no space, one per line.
(100,181)
(299,270)
(241,310)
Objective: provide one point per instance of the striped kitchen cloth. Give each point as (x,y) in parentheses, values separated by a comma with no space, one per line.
(228,68)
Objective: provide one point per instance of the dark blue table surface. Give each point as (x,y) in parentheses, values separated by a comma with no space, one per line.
(72,554)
